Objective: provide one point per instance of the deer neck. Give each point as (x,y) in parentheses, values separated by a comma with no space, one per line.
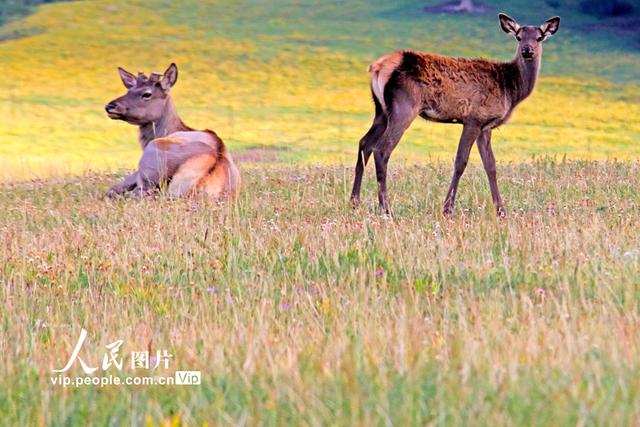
(168,123)
(526,77)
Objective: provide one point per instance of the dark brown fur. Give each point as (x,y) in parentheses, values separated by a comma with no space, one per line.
(477,93)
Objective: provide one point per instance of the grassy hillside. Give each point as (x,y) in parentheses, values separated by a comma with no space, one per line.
(300,311)
(297,309)
(290,77)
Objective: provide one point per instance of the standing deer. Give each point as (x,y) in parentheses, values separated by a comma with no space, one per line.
(479,94)
(172,152)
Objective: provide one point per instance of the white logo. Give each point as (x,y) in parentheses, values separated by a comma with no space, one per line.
(113,360)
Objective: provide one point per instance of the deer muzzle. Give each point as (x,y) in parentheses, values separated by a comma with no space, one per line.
(527,52)
(112,110)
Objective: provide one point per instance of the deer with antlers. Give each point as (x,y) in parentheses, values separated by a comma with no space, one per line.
(479,94)
(188,160)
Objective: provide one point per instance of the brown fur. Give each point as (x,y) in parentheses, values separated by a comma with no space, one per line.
(213,174)
(189,175)
(165,143)
(479,94)
(451,89)
(221,180)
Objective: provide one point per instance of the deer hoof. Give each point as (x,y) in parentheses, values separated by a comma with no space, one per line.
(111,194)
(384,209)
(355,202)
(139,194)
(501,212)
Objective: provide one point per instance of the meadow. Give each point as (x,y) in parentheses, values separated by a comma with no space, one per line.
(297,309)
(300,311)
(288,80)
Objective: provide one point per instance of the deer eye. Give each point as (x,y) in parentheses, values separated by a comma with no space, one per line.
(540,38)
(146,95)
(519,38)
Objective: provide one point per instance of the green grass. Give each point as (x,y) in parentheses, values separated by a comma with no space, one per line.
(291,77)
(297,309)
(527,321)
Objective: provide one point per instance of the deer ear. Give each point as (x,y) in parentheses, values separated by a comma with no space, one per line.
(508,24)
(550,26)
(128,79)
(169,77)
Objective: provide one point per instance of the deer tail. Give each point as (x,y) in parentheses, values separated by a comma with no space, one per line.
(381,71)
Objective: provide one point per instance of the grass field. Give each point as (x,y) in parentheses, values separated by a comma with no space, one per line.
(300,311)
(297,309)
(290,77)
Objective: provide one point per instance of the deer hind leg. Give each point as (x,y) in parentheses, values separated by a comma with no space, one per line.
(469,134)
(369,140)
(489,162)
(401,114)
(223,180)
(190,173)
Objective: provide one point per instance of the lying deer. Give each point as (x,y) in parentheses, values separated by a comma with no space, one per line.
(479,94)
(172,152)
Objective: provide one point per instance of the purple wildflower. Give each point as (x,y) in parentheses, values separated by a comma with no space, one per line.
(308,289)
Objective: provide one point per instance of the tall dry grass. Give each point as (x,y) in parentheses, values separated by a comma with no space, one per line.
(298,310)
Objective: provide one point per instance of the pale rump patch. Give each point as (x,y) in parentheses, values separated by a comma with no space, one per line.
(381,71)
(224,180)
(186,178)
(214,175)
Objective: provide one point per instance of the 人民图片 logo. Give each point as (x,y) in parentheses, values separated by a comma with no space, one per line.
(113,360)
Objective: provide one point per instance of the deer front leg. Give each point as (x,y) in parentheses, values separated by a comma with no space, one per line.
(148,180)
(152,171)
(469,134)
(489,162)
(157,166)
(127,184)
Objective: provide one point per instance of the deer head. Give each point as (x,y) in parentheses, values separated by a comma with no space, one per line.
(529,37)
(146,98)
